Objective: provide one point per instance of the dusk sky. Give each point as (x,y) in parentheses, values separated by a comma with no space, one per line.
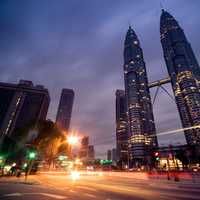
(78,44)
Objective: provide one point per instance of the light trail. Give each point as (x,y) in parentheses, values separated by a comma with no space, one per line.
(177,130)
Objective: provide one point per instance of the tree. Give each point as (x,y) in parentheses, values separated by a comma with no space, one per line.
(48,141)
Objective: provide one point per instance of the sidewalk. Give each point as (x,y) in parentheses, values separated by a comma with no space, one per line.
(15,180)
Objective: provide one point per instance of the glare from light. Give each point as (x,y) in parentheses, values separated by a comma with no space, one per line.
(71,139)
(100,173)
(75,175)
(14,164)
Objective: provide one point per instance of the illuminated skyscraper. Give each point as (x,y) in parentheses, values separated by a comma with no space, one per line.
(121,128)
(184,72)
(142,132)
(64,113)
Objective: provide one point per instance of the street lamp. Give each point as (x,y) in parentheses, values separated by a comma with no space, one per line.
(72,139)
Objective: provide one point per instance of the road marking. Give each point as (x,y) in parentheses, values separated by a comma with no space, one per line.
(89,195)
(86,188)
(13,195)
(53,196)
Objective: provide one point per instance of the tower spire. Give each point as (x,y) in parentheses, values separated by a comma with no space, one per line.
(161,6)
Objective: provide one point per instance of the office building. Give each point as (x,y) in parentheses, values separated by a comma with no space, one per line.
(21,105)
(64,113)
(83,152)
(141,127)
(114,154)
(184,72)
(121,129)
(109,155)
(91,152)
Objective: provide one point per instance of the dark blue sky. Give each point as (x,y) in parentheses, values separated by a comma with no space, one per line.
(79,44)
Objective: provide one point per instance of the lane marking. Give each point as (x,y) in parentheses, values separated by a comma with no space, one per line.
(13,195)
(53,196)
(86,188)
(89,195)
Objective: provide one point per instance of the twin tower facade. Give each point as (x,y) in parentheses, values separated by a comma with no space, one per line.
(136,133)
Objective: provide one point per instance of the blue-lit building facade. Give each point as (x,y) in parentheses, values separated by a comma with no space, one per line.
(141,128)
(184,72)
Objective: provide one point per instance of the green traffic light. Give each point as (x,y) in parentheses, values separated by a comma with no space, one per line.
(25,165)
(32,155)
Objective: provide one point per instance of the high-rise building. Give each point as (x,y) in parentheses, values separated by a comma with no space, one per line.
(86,151)
(91,152)
(121,128)
(114,155)
(109,155)
(64,113)
(142,133)
(83,152)
(184,72)
(21,105)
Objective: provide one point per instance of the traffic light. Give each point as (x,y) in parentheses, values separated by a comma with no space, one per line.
(1,160)
(32,155)
(25,165)
(156,155)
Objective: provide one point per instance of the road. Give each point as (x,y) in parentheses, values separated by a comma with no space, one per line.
(49,186)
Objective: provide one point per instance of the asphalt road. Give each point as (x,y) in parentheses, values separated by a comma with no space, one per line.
(106,187)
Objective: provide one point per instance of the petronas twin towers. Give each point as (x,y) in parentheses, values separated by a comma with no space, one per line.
(184,73)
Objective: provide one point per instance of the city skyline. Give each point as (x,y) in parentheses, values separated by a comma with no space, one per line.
(81,73)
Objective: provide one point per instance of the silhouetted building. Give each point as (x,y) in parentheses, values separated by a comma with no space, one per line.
(91,152)
(184,72)
(141,125)
(109,155)
(21,105)
(83,152)
(64,113)
(114,154)
(121,128)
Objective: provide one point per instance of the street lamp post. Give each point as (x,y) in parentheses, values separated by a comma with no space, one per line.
(31,158)
(72,140)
